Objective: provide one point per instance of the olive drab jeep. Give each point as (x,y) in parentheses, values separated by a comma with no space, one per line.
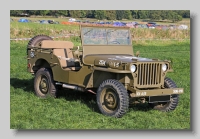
(105,65)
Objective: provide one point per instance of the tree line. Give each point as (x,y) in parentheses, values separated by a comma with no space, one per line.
(154,15)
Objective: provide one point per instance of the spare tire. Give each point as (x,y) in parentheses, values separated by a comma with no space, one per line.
(36,41)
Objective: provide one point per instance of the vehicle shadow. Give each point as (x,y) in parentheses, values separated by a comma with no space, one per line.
(140,107)
(25,84)
(89,99)
(86,98)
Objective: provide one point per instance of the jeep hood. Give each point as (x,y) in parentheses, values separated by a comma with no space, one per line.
(90,59)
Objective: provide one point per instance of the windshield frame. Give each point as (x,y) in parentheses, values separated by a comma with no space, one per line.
(129,41)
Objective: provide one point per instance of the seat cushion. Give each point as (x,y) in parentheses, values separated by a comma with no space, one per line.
(63,54)
(56,44)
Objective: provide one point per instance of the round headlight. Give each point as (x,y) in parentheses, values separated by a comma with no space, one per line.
(133,68)
(164,67)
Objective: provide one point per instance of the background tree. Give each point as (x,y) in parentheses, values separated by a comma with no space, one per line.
(90,13)
(142,14)
(134,14)
(82,13)
(53,13)
(164,14)
(155,15)
(186,14)
(110,14)
(75,13)
(174,15)
(63,13)
(127,14)
(119,14)
(16,12)
(42,12)
(99,14)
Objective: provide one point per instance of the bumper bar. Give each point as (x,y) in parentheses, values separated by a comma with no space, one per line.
(158,92)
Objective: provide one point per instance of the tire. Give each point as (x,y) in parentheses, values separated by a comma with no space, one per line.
(36,41)
(172,104)
(43,84)
(112,98)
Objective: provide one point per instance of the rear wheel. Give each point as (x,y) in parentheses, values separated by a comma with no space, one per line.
(172,104)
(112,98)
(43,83)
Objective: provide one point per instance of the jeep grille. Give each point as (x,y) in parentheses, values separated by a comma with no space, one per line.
(149,74)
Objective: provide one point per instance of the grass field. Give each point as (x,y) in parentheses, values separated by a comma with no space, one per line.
(28,30)
(77,110)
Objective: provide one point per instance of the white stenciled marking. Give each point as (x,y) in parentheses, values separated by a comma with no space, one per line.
(141,93)
(102,62)
(32,54)
(178,91)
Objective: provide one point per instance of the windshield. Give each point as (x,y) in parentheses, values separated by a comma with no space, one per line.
(105,36)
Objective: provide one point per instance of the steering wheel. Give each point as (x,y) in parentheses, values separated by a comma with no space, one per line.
(115,42)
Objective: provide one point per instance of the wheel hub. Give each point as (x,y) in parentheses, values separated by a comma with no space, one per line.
(43,85)
(109,100)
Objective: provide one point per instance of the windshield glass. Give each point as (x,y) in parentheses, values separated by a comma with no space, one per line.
(105,36)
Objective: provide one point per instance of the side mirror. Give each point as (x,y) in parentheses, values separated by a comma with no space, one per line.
(137,53)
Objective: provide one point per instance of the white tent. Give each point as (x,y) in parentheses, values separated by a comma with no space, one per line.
(183,27)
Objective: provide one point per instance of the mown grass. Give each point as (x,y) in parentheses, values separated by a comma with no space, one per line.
(77,110)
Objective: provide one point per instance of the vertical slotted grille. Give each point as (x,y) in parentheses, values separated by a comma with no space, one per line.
(149,73)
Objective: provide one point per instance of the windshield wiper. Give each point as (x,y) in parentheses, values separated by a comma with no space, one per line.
(87,31)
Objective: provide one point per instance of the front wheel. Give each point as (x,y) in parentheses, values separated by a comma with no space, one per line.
(172,104)
(112,98)
(43,83)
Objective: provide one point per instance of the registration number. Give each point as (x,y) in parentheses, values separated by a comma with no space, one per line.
(176,91)
(141,93)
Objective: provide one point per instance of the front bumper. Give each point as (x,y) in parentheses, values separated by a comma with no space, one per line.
(157,92)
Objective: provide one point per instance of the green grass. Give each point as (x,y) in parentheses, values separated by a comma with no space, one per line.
(77,110)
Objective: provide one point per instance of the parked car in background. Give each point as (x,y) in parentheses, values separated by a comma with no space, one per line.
(131,25)
(44,22)
(141,26)
(164,27)
(151,24)
(72,20)
(151,27)
(172,27)
(158,26)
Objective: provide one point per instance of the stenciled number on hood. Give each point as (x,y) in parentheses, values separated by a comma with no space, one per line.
(116,64)
(102,62)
